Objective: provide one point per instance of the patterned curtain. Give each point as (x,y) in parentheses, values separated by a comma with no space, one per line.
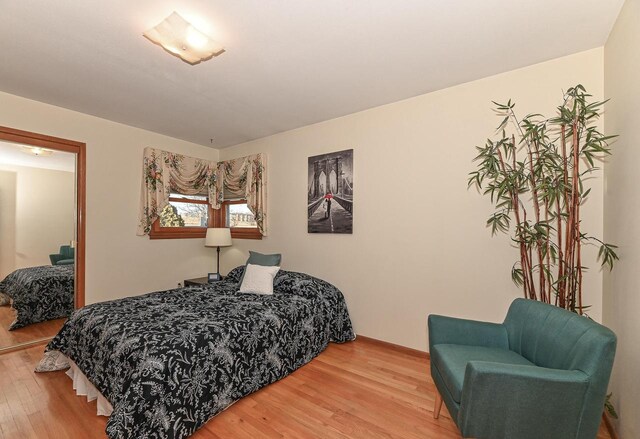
(244,177)
(166,172)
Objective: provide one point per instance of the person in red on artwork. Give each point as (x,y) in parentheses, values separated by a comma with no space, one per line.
(327,201)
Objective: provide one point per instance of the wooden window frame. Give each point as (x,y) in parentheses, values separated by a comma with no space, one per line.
(220,220)
(217,218)
(158,232)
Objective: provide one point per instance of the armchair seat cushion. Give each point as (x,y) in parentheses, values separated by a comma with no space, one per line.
(451,361)
(65,262)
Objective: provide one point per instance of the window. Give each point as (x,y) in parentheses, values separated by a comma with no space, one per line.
(239,215)
(236,215)
(189,175)
(185,211)
(186,216)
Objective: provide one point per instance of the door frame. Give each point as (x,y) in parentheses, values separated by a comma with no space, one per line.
(79,148)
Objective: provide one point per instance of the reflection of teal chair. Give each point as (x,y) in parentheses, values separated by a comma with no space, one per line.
(65,257)
(543,373)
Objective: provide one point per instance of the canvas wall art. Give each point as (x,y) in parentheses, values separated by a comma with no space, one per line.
(330,193)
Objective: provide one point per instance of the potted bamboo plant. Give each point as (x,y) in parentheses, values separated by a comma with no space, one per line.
(534,172)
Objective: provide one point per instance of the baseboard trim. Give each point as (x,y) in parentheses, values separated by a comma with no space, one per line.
(393,346)
(609,424)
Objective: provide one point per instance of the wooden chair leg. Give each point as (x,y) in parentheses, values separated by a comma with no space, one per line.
(437,406)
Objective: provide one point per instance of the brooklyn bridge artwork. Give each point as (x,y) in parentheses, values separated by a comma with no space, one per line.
(330,193)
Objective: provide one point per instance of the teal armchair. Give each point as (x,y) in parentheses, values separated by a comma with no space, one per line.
(543,373)
(65,257)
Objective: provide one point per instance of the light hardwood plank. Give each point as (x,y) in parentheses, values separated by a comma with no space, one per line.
(362,389)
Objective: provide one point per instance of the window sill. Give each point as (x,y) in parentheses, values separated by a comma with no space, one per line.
(178,233)
(188,232)
(245,233)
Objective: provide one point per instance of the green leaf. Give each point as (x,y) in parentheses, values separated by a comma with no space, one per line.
(517,276)
(609,407)
(607,255)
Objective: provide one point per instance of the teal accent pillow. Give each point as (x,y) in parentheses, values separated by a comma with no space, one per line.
(256,258)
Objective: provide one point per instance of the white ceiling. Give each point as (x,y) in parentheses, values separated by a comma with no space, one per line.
(12,154)
(288,63)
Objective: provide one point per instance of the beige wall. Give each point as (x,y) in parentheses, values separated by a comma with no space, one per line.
(7,222)
(622,210)
(43,215)
(119,263)
(413,157)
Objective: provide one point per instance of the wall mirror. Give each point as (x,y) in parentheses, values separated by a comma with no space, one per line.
(42,197)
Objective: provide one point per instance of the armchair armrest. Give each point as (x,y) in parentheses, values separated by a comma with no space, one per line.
(507,401)
(449,330)
(55,258)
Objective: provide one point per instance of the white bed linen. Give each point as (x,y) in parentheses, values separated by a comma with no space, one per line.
(83,387)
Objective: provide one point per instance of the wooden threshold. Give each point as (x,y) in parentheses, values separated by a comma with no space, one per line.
(25,345)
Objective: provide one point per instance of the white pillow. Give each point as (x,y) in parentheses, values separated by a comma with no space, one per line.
(258,279)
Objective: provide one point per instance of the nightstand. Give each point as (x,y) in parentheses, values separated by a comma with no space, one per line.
(197,281)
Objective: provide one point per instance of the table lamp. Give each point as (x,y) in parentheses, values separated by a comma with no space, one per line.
(217,237)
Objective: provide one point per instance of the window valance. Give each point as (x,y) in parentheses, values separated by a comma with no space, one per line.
(166,172)
(244,177)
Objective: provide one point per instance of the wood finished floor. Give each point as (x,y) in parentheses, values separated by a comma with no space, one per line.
(354,390)
(29,333)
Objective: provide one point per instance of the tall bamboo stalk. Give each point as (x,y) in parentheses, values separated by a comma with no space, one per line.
(516,209)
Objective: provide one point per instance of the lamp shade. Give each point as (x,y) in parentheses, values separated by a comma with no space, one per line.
(218,237)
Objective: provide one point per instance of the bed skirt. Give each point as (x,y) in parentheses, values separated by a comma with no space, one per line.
(54,360)
(83,387)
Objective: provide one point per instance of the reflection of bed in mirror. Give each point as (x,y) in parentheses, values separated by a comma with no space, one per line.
(38,294)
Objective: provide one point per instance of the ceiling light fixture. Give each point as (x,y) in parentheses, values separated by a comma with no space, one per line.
(37,151)
(178,37)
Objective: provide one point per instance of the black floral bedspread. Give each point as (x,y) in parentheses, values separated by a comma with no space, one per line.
(169,361)
(40,293)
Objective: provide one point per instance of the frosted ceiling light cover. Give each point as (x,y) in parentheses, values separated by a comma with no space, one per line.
(37,151)
(181,39)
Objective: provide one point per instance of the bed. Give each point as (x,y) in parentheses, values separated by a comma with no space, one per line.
(169,361)
(39,293)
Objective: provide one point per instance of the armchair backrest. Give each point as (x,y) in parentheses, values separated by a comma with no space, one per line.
(552,337)
(67,252)
(555,338)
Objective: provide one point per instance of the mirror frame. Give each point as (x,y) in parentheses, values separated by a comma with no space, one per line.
(79,148)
